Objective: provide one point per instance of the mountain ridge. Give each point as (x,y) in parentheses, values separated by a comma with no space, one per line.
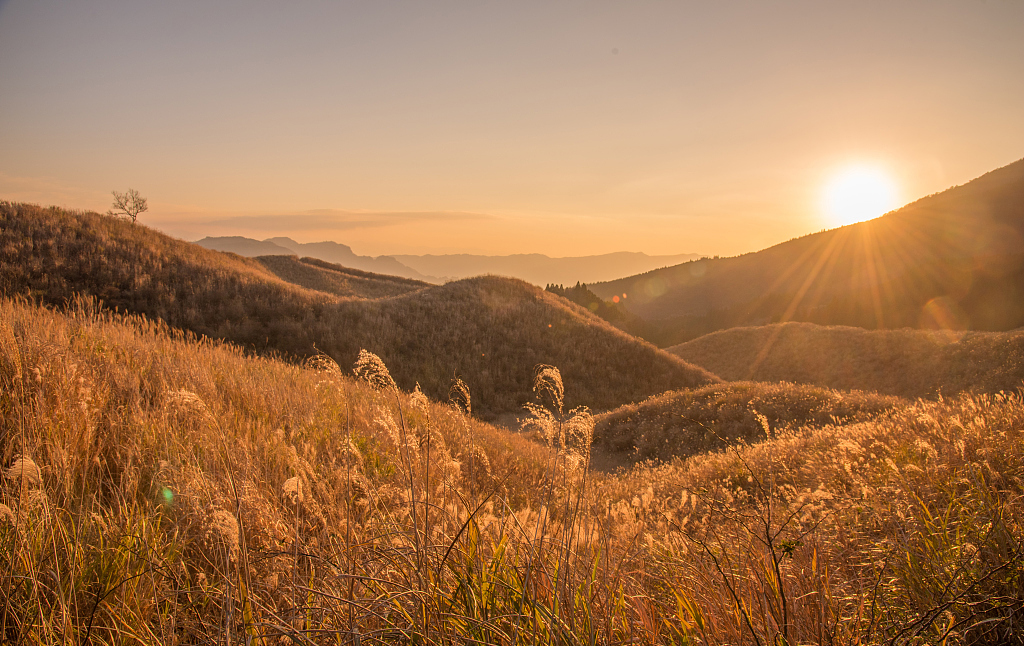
(954,259)
(538,269)
(332,252)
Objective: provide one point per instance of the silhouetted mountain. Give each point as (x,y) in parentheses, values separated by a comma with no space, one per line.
(540,269)
(951,260)
(343,255)
(331,252)
(533,268)
(245,246)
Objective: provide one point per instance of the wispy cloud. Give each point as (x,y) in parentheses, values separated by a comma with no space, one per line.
(329,219)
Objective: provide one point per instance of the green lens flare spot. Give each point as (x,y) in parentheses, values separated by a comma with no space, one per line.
(167,496)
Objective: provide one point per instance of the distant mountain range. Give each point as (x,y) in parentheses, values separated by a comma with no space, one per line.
(328,251)
(540,269)
(533,268)
(953,260)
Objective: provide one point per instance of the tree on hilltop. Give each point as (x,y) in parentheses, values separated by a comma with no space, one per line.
(128,204)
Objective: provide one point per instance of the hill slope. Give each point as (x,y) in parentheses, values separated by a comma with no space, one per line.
(908,363)
(160,490)
(951,260)
(489,331)
(323,276)
(691,422)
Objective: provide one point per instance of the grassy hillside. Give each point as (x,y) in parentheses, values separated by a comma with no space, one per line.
(155,489)
(908,363)
(490,331)
(610,311)
(179,487)
(690,422)
(323,276)
(952,260)
(900,530)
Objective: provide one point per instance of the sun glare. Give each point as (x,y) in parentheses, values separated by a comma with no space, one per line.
(858,193)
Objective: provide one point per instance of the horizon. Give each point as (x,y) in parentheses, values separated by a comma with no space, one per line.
(567,131)
(522,253)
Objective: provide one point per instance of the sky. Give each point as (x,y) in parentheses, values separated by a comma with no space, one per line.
(557,127)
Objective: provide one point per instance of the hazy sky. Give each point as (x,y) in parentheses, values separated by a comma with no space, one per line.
(566,128)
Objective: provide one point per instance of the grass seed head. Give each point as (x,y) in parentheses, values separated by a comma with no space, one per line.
(547,384)
(372,370)
(222,530)
(541,421)
(6,515)
(292,490)
(24,473)
(459,396)
(186,403)
(580,429)
(418,400)
(323,363)
(480,462)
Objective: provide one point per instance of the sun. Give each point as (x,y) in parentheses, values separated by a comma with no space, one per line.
(858,193)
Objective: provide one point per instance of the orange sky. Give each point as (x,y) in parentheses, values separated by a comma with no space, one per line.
(562,128)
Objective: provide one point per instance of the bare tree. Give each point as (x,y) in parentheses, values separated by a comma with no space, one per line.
(128,204)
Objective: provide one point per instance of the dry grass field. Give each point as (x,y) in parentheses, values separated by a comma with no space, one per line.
(490,331)
(157,488)
(690,422)
(173,480)
(907,363)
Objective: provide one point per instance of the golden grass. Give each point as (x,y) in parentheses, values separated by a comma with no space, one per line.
(613,312)
(690,422)
(907,363)
(906,529)
(489,331)
(185,493)
(183,479)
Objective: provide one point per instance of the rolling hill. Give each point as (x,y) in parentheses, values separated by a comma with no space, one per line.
(908,363)
(691,422)
(323,276)
(489,331)
(159,489)
(953,260)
